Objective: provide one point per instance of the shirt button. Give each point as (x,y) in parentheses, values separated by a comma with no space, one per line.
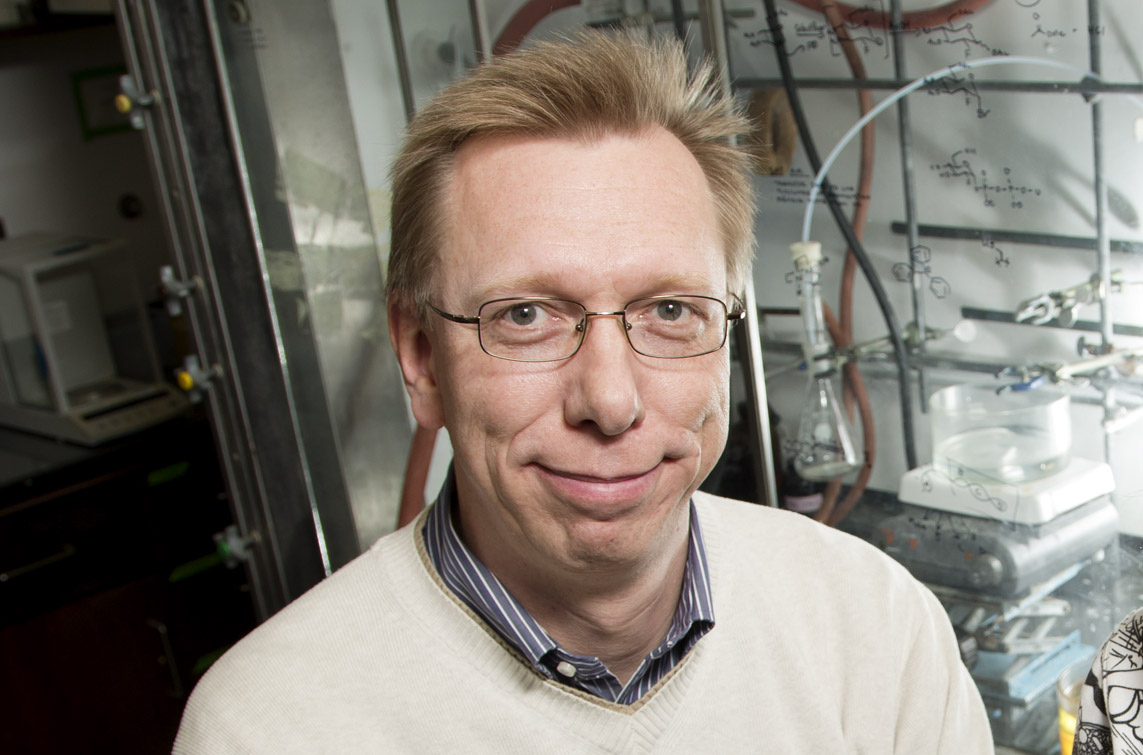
(566,669)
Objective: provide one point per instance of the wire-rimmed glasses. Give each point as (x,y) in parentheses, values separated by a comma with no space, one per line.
(546,329)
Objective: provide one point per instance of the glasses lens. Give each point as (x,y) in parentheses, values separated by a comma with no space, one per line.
(530,330)
(676,326)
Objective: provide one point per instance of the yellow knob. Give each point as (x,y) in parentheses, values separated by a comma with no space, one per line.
(123,103)
(184,379)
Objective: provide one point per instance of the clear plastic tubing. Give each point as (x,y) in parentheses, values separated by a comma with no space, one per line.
(912,87)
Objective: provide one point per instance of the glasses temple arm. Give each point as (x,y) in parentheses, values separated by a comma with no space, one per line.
(455,318)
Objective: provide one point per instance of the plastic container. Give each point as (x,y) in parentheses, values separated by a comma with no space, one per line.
(1010,436)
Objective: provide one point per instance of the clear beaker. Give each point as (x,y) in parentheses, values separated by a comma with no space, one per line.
(986,434)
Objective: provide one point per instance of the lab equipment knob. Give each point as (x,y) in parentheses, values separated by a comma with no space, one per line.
(176,290)
(131,99)
(233,547)
(194,379)
(987,571)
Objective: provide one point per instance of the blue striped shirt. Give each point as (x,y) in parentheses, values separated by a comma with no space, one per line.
(481,591)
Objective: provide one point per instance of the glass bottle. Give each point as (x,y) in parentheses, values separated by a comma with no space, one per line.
(825,449)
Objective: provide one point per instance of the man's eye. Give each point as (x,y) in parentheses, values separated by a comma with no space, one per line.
(523,314)
(670,311)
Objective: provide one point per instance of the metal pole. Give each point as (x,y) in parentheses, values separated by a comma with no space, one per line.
(1103,257)
(714,42)
(480,36)
(1020,237)
(905,136)
(678,16)
(402,59)
(1103,245)
(1085,86)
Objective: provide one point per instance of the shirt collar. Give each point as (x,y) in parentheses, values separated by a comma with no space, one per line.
(481,591)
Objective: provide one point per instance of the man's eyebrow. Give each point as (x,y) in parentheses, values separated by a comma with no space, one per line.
(548,284)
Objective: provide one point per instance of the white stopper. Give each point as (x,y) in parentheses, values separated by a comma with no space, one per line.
(964,331)
(806,254)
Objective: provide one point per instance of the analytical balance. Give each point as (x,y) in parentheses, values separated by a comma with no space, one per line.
(77,361)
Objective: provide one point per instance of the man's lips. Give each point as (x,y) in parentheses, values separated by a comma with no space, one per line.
(612,489)
(604,480)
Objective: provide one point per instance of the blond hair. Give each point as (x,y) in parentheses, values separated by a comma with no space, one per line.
(595,84)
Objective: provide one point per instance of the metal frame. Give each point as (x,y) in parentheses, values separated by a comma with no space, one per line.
(201,181)
(1088,87)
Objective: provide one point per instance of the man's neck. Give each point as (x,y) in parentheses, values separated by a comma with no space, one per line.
(618,618)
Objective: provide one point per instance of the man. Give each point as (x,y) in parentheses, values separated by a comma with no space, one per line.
(570,227)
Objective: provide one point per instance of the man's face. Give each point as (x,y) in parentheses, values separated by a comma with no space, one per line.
(584,464)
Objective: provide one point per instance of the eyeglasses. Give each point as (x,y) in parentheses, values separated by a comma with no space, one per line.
(544,329)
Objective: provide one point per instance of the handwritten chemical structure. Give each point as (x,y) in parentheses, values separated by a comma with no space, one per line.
(1000,259)
(962,36)
(960,167)
(867,39)
(806,37)
(1049,33)
(965,34)
(812,35)
(953,84)
(922,256)
(809,36)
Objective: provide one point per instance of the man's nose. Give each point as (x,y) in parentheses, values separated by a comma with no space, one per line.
(604,388)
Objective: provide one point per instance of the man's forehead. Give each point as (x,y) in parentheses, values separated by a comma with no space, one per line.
(515,154)
(531,214)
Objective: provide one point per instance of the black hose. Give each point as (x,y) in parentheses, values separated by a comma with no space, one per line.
(679,19)
(843,224)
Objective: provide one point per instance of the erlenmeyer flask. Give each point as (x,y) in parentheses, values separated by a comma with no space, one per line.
(825,449)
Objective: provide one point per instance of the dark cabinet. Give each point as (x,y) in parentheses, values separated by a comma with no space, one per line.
(113,600)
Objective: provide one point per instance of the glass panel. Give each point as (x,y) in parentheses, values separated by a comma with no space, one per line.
(320,259)
(24,378)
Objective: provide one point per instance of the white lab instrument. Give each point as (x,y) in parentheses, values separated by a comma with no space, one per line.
(61,374)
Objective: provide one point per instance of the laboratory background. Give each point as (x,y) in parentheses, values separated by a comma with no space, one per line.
(200,417)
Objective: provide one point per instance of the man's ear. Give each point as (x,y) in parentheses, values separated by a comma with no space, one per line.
(415,355)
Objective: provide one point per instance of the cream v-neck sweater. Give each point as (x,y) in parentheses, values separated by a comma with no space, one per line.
(822,644)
